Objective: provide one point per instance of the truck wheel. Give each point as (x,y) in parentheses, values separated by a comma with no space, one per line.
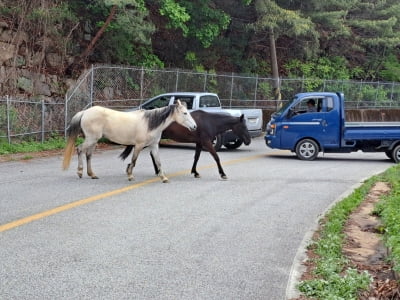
(307,149)
(234,144)
(217,142)
(396,154)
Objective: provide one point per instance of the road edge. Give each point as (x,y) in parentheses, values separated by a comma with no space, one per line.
(298,268)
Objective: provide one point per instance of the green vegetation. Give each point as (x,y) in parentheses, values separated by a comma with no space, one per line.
(52,143)
(335,278)
(361,37)
(389,211)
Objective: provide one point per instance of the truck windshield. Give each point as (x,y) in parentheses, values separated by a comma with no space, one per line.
(286,105)
(209,101)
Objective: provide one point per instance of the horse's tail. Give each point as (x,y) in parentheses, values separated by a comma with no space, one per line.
(72,133)
(126,152)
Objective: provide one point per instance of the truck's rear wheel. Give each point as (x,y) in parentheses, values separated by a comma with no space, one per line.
(307,149)
(396,154)
(234,144)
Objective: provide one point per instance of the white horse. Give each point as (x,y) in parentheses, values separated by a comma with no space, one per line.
(139,128)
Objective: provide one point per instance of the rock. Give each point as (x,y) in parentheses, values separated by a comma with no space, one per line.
(42,88)
(25,84)
(6,36)
(54,60)
(3,24)
(20,37)
(6,52)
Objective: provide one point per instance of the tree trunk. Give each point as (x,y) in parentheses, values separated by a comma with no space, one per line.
(79,61)
(275,71)
(99,33)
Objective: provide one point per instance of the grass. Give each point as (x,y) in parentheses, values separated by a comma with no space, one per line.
(389,212)
(52,143)
(334,277)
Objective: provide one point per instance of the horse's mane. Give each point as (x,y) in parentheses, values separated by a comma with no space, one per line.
(157,116)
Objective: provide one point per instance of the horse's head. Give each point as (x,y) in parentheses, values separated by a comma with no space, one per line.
(240,129)
(183,117)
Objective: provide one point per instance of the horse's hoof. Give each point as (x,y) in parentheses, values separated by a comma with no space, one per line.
(79,175)
(95,177)
(131,178)
(197,176)
(165,180)
(224,177)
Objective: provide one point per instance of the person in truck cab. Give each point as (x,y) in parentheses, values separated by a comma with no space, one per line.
(311,106)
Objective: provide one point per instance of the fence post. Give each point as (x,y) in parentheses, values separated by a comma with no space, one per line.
(205,82)
(230,100)
(177,79)
(391,94)
(43,109)
(8,119)
(361,94)
(255,91)
(376,94)
(91,86)
(65,115)
(141,84)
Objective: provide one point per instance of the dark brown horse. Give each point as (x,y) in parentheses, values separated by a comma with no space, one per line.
(209,125)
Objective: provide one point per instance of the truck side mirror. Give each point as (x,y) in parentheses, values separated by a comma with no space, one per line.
(290,113)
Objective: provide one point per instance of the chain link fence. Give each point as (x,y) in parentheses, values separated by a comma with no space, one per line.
(122,87)
(36,120)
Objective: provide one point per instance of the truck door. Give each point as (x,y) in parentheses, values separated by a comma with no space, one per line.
(319,122)
(330,124)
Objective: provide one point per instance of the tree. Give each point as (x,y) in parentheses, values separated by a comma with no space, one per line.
(275,21)
(124,27)
(365,32)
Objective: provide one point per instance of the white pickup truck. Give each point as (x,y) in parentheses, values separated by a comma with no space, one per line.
(210,102)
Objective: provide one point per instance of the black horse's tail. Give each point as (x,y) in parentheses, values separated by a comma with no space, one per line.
(126,152)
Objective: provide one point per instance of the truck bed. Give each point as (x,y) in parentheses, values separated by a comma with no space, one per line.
(371,130)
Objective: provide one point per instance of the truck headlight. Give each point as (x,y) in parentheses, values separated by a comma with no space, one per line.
(270,128)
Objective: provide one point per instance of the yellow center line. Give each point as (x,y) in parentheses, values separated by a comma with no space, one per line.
(84,201)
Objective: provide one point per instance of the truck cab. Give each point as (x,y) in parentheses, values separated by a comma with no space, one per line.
(307,132)
(295,122)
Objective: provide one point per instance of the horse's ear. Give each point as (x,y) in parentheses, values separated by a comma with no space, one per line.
(242,118)
(182,103)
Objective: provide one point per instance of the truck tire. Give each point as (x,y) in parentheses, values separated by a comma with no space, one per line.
(217,142)
(234,144)
(396,154)
(307,149)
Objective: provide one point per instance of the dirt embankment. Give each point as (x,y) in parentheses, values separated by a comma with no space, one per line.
(365,249)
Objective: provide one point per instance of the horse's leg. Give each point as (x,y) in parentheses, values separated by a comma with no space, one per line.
(196,159)
(86,147)
(157,163)
(89,153)
(156,169)
(130,166)
(80,161)
(209,147)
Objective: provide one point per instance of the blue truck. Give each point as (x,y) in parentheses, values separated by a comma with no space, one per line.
(323,128)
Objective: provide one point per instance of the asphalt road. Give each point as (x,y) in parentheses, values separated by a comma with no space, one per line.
(62,237)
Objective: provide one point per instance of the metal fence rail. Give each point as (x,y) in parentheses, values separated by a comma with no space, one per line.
(33,119)
(125,87)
